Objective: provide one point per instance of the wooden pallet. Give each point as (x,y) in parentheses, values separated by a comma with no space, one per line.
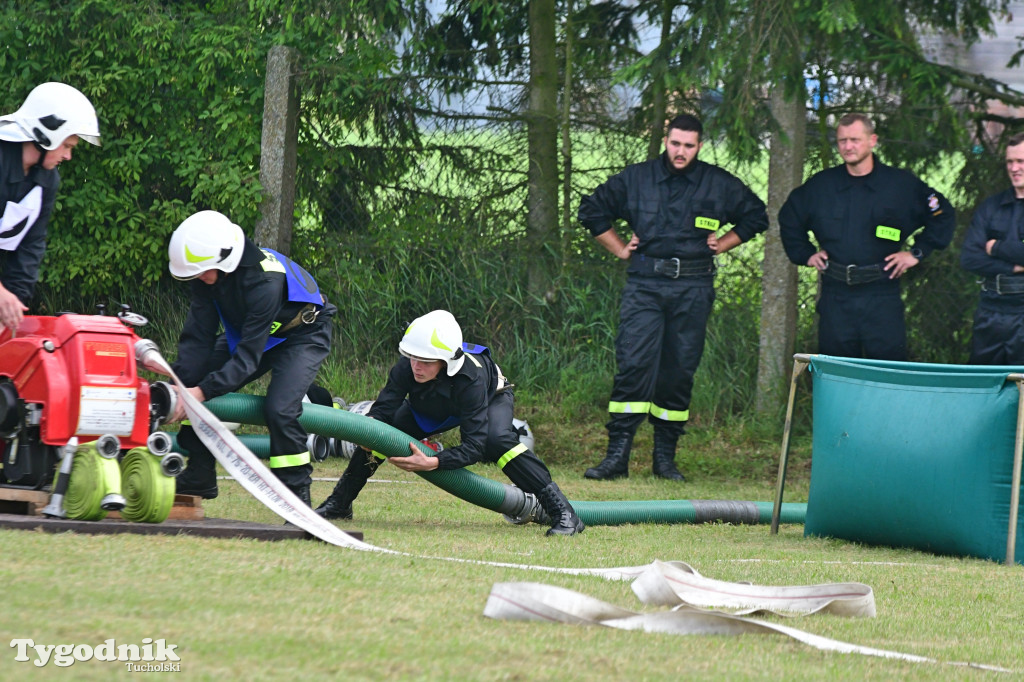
(186,507)
(32,502)
(22,509)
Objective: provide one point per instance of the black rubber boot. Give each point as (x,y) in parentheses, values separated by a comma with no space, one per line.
(339,504)
(302,492)
(616,463)
(563,516)
(198,478)
(664,456)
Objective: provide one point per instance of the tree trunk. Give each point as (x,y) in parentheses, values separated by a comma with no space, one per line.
(778,285)
(542,133)
(567,204)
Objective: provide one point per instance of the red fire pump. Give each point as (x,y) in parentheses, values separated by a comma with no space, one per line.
(70,381)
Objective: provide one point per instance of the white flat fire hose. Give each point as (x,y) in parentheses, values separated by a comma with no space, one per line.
(674,584)
(538,602)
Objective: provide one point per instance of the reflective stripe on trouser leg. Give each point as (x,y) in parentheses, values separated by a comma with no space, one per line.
(635,407)
(669,415)
(511,454)
(525,470)
(281,461)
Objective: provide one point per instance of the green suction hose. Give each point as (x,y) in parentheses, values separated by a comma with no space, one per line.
(489,494)
(258,444)
(149,492)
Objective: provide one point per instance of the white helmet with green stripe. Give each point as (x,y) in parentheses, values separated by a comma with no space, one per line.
(206,240)
(435,336)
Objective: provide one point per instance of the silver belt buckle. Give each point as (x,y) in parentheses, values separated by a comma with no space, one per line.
(676,262)
(849,274)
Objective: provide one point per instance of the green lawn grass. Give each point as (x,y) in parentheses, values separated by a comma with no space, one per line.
(244,609)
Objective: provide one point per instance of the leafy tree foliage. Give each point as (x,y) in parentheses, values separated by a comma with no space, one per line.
(178,88)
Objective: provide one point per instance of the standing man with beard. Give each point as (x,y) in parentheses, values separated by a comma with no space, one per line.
(675,206)
(860,213)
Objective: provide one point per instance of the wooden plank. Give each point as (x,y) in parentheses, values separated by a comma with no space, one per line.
(24,495)
(219,528)
(178,512)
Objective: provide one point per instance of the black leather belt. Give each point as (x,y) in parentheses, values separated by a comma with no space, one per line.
(854,274)
(672,268)
(1004,284)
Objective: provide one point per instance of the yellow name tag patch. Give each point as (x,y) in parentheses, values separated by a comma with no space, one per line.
(707,223)
(890,233)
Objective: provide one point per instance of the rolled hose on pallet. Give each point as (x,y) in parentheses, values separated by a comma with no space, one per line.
(149,491)
(95,478)
(489,494)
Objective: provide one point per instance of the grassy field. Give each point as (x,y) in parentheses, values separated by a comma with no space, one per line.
(243,609)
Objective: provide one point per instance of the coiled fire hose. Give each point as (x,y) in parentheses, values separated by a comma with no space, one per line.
(148,490)
(493,495)
(95,487)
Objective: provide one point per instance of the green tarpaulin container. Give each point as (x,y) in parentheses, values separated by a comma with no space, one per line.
(914,455)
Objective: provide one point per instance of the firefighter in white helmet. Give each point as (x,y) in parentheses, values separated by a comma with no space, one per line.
(440,383)
(34,140)
(275,320)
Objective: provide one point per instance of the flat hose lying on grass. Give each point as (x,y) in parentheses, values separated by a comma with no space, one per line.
(499,497)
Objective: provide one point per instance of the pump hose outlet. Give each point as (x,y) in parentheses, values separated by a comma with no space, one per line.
(159,443)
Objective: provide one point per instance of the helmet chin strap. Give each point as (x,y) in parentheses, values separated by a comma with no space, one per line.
(42,155)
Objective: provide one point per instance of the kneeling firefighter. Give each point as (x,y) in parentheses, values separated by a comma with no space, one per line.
(275,320)
(439,383)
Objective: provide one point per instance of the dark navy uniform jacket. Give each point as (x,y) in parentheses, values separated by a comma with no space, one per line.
(251,299)
(673,213)
(861,220)
(19,269)
(999,217)
(465,396)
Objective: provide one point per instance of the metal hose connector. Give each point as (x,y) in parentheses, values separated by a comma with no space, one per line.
(172,464)
(159,443)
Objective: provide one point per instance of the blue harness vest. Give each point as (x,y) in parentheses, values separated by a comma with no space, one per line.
(431,425)
(302,288)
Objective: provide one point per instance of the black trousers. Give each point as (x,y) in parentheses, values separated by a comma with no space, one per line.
(856,324)
(998,338)
(520,464)
(660,341)
(293,365)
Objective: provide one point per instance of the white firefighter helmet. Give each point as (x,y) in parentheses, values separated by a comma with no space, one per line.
(435,336)
(50,114)
(524,431)
(206,240)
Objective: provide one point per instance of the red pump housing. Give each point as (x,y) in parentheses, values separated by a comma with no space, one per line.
(81,370)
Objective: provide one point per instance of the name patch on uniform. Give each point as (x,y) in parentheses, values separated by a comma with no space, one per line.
(707,223)
(891,233)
